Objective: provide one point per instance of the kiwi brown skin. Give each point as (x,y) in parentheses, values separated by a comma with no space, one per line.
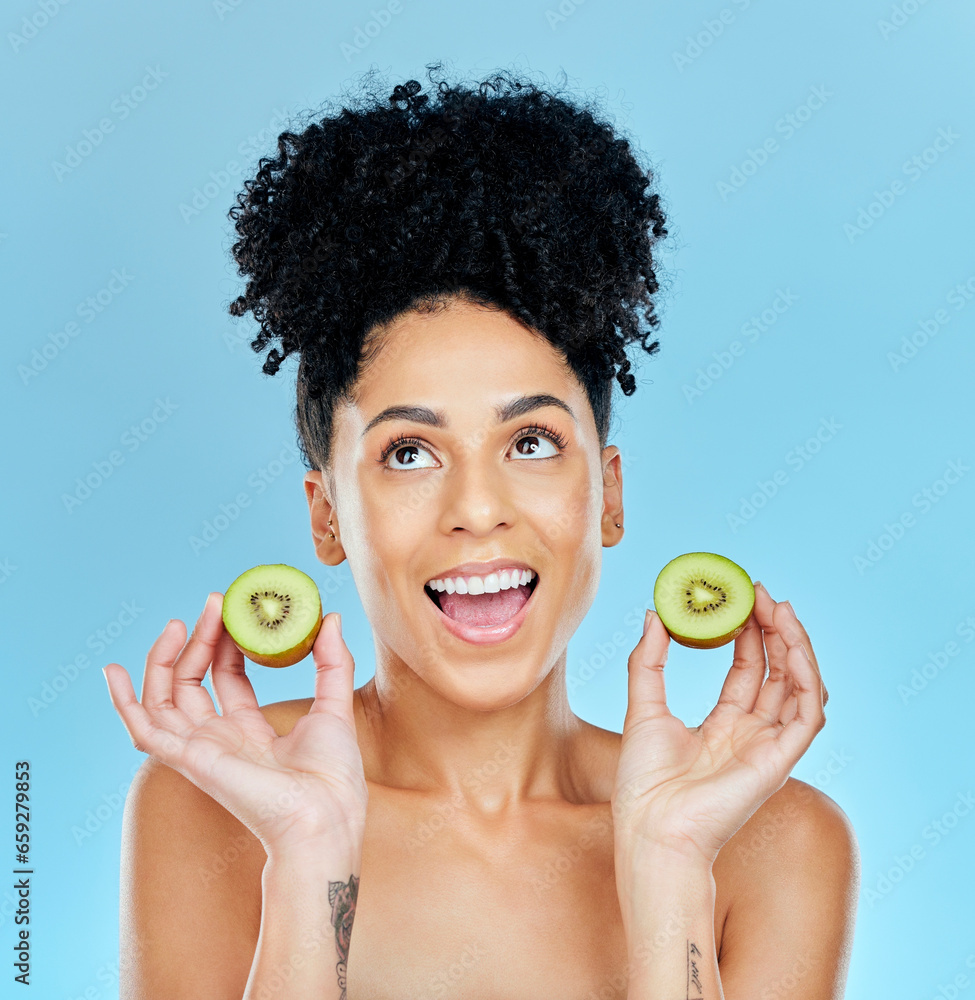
(706,643)
(288,657)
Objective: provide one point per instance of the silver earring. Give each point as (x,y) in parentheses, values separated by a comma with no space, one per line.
(619,526)
(332,533)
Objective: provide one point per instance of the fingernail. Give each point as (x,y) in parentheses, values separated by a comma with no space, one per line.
(791,610)
(805,653)
(647,618)
(758,583)
(338,622)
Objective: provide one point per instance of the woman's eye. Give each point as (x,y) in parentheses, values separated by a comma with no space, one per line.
(533,450)
(405,448)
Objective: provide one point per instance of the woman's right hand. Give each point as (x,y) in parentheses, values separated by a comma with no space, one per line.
(287,790)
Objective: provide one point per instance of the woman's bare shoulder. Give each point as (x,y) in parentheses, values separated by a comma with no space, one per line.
(282,715)
(798,816)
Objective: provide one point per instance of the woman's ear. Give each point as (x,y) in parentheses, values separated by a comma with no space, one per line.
(325,536)
(612,496)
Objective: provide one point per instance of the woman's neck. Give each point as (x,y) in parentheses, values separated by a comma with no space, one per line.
(478,744)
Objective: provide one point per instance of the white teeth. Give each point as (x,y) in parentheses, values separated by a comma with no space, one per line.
(490,584)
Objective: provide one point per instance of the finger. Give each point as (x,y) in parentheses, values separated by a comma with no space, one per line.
(792,631)
(146,734)
(191,665)
(775,644)
(747,672)
(334,671)
(792,704)
(778,685)
(646,695)
(157,681)
(231,685)
(794,739)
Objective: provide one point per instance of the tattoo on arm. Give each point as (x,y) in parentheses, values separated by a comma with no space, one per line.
(693,975)
(342,896)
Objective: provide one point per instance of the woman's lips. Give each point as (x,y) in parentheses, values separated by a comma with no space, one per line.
(478,635)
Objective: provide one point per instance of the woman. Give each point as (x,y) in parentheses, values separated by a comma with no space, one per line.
(460,278)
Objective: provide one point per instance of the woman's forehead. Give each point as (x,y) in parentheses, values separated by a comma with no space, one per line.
(462,348)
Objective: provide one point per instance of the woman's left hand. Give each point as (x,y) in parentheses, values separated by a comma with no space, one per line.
(686,791)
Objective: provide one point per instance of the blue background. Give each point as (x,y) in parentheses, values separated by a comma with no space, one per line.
(867,246)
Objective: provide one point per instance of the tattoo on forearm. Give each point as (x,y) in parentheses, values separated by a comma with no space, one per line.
(693,975)
(342,896)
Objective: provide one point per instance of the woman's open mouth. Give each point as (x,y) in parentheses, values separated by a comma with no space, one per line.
(484,618)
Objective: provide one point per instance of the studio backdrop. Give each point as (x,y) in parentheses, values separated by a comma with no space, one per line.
(809,414)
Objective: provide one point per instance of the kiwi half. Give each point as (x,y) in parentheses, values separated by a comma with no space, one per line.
(703,599)
(273,613)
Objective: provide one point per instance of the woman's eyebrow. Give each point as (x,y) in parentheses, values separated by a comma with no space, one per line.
(504,412)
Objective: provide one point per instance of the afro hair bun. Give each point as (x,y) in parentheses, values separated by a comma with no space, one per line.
(500,192)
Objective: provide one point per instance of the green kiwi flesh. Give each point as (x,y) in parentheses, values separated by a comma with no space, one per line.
(704,600)
(273,613)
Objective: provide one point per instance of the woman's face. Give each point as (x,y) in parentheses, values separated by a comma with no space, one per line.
(470,490)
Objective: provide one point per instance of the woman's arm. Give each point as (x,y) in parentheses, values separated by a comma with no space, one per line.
(668,918)
(299,796)
(206,912)
(305,930)
(190,906)
(789,929)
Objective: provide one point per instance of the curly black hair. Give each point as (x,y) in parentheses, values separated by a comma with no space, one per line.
(502,194)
